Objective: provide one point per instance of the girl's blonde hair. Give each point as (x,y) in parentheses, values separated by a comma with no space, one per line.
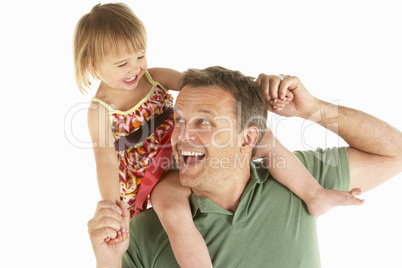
(104,30)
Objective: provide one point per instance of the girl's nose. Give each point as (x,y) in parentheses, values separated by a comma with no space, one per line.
(134,70)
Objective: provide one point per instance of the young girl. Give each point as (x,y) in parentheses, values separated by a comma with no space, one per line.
(131,116)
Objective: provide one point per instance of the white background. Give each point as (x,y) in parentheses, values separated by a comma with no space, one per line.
(348,52)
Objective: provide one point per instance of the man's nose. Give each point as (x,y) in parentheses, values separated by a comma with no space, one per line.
(189,134)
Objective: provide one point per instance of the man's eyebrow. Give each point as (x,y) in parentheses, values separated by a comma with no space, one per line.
(205,111)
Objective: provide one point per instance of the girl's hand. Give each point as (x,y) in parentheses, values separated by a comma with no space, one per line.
(121,235)
(287,96)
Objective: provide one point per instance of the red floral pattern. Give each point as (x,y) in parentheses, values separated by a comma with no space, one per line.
(134,161)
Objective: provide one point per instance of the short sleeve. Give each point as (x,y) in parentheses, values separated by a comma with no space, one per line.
(330,167)
(131,257)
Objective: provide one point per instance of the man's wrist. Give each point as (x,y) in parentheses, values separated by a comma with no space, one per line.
(317,111)
(115,265)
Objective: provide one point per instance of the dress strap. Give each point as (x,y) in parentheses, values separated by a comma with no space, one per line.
(104,104)
(154,172)
(153,82)
(150,80)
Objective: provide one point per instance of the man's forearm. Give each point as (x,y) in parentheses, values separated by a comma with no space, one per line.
(375,153)
(360,130)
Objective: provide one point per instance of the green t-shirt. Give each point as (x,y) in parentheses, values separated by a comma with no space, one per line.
(270,228)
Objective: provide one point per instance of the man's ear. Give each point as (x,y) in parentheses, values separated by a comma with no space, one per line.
(249,138)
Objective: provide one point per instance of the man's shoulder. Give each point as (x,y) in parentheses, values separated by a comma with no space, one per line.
(149,243)
(146,215)
(145,220)
(330,166)
(335,157)
(328,155)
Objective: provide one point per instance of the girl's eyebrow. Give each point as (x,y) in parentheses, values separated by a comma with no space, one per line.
(121,61)
(142,52)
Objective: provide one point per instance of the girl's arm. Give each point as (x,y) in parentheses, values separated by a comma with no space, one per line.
(107,169)
(169,78)
(171,202)
(105,155)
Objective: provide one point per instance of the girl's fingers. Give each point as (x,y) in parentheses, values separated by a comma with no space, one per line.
(115,240)
(122,235)
(279,103)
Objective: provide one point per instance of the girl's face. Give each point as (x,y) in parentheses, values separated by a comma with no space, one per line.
(122,72)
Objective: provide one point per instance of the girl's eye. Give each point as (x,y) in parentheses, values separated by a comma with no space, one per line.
(141,57)
(122,65)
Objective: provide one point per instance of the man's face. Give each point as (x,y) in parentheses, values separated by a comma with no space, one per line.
(205,140)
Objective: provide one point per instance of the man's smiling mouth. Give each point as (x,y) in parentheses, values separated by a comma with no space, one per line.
(191,157)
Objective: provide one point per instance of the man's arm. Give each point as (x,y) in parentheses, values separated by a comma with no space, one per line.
(375,152)
(375,147)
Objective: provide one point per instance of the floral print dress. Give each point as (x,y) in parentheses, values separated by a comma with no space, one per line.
(142,141)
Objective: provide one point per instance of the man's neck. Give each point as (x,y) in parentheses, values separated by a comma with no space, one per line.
(228,197)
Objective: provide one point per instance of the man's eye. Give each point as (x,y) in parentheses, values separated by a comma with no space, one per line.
(179,120)
(204,122)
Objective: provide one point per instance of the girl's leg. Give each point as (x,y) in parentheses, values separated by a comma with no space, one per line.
(298,179)
(171,202)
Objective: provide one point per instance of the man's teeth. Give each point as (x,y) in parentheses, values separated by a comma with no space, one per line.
(187,153)
(128,80)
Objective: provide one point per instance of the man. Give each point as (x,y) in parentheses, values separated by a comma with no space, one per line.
(246,217)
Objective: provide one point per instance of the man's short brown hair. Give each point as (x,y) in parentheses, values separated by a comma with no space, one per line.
(251,106)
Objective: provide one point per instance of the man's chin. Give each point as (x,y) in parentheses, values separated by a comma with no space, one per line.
(191,169)
(190,181)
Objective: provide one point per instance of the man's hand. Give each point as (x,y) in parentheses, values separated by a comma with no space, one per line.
(108,223)
(287,96)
